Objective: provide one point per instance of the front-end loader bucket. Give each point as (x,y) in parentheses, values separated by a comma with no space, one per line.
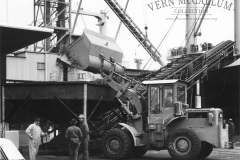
(84,52)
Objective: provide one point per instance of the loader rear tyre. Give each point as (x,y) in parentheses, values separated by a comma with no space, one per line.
(116,144)
(184,144)
(206,150)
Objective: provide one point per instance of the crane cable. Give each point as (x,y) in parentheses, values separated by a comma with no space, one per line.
(145,13)
(164,38)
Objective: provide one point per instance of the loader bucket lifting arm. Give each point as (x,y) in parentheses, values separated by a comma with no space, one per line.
(124,85)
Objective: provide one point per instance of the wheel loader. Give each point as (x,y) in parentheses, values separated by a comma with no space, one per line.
(165,122)
(154,113)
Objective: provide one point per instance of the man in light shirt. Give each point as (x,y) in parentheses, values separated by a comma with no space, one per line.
(34,133)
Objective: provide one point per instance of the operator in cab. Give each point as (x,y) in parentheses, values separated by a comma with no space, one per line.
(168,101)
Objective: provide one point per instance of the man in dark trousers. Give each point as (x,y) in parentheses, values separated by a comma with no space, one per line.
(85,131)
(74,137)
(231,132)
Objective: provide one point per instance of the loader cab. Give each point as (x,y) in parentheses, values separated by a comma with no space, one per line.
(163,96)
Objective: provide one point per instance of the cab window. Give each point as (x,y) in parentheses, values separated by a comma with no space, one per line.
(181,94)
(155,100)
(167,96)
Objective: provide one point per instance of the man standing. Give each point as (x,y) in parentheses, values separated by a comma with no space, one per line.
(74,136)
(85,130)
(34,133)
(231,132)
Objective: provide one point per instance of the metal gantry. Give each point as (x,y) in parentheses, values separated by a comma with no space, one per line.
(54,14)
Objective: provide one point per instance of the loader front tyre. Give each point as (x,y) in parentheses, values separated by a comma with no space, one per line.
(206,150)
(184,144)
(116,144)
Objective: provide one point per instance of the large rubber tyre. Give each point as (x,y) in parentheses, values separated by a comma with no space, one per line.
(184,144)
(206,150)
(138,151)
(116,144)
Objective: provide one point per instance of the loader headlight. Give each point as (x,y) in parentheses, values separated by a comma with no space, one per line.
(220,115)
(210,118)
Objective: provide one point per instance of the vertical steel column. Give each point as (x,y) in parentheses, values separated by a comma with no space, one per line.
(237,24)
(237,47)
(3,76)
(2,124)
(190,26)
(85,100)
(47,41)
(198,97)
(1,119)
(3,111)
(34,14)
(70,21)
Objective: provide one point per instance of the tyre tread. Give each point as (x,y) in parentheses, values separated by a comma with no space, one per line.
(127,143)
(197,142)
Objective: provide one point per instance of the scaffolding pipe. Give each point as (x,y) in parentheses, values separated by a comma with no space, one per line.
(75,21)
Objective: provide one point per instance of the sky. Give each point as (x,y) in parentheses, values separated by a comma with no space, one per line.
(158,16)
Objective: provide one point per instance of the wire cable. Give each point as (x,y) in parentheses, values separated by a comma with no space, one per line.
(145,13)
(167,32)
(84,22)
(150,65)
(164,38)
(147,63)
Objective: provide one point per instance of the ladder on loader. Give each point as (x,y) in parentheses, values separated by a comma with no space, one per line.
(135,30)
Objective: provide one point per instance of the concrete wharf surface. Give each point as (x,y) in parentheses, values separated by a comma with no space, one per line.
(217,154)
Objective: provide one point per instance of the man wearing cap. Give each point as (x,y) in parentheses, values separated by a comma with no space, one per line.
(85,130)
(231,132)
(74,137)
(34,133)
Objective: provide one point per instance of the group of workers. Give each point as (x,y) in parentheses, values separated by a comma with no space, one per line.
(77,136)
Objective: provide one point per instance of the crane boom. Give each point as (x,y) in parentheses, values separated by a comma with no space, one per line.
(135,30)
